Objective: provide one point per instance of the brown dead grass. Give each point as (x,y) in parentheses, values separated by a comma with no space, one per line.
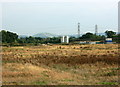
(60,64)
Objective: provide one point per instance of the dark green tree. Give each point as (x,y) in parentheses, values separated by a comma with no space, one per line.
(4,36)
(93,37)
(110,34)
(9,37)
(87,36)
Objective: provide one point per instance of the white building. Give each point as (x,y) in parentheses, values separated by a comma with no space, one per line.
(65,39)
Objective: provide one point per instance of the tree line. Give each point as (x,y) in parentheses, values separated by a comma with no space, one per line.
(10,38)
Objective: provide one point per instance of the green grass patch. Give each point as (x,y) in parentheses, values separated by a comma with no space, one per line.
(40,83)
(11,61)
(109,83)
(115,68)
(68,80)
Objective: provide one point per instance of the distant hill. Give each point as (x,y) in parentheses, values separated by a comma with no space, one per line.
(101,34)
(45,35)
(22,36)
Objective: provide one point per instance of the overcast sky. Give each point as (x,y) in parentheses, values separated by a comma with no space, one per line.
(28,17)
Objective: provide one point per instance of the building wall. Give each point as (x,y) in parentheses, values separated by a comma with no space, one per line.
(62,39)
(108,39)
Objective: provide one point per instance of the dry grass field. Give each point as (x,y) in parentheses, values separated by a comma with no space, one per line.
(61,65)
